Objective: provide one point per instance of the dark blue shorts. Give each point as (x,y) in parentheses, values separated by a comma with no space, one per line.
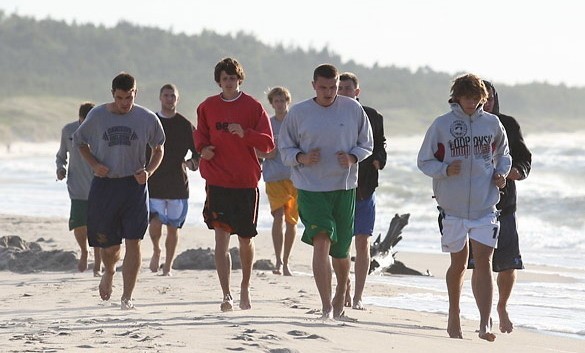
(117,209)
(232,210)
(365,216)
(507,254)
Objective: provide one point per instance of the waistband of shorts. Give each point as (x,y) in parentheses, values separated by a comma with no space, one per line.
(116,178)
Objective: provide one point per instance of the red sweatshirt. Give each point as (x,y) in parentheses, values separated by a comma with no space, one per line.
(235,164)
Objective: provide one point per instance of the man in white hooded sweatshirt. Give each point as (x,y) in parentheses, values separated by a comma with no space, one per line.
(466,153)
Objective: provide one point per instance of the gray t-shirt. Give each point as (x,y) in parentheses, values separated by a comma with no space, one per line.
(273,169)
(119,141)
(79,173)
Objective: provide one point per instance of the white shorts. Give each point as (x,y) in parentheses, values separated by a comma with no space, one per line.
(457,230)
(169,212)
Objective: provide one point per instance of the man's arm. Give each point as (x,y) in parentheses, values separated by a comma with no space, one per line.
(99,169)
(61,157)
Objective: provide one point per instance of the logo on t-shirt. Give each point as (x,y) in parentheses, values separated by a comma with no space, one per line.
(222,126)
(119,135)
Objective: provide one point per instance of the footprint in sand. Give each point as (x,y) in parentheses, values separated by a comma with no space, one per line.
(303,335)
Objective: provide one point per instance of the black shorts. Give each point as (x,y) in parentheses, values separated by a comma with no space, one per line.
(117,209)
(233,210)
(507,254)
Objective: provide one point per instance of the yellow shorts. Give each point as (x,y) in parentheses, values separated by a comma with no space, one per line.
(283,194)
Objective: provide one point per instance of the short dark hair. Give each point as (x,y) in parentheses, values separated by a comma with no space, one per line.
(325,71)
(170,86)
(350,76)
(84,108)
(231,67)
(124,81)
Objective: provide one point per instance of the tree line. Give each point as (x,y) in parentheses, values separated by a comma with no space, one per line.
(51,66)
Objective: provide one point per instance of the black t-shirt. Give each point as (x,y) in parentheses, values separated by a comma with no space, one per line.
(170,180)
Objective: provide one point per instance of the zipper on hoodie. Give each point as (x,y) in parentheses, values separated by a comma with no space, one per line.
(470,169)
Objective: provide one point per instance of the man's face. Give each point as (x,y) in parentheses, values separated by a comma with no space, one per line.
(489,105)
(469,104)
(348,89)
(123,100)
(168,99)
(326,90)
(279,103)
(230,84)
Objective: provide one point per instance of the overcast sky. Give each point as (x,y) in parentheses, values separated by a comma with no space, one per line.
(506,41)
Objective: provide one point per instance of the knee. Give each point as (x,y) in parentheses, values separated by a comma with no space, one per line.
(362,244)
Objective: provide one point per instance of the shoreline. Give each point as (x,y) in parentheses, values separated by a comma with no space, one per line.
(62,310)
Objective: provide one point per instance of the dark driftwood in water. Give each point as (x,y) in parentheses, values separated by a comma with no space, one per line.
(392,236)
(381,249)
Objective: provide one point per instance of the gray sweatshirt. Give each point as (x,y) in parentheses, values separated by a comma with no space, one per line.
(79,173)
(342,126)
(480,142)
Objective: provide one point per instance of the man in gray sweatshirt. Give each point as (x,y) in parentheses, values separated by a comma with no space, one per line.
(323,139)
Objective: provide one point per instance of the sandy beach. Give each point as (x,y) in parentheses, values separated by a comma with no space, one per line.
(61,311)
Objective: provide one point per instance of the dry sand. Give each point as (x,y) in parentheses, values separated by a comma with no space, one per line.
(61,311)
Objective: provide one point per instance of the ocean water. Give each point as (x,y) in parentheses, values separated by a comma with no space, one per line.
(550,220)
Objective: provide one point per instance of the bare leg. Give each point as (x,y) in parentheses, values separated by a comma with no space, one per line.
(170,247)
(131,267)
(97,263)
(506,281)
(322,272)
(289,240)
(110,257)
(341,268)
(81,237)
(247,260)
(347,301)
(223,265)
(482,285)
(362,266)
(277,238)
(155,231)
(454,277)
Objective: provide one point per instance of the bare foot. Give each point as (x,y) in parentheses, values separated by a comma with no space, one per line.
(154,261)
(97,269)
(245,303)
(357,304)
(227,304)
(327,314)
(82,264)
(286,270)
(338,304)
(277,269)
(126,304)
(166,271)
(506,326)
(454,327)
(487,335)
(344,318)
(105,287)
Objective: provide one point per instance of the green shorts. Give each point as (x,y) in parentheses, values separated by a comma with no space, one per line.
(330,212)
(78,214)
